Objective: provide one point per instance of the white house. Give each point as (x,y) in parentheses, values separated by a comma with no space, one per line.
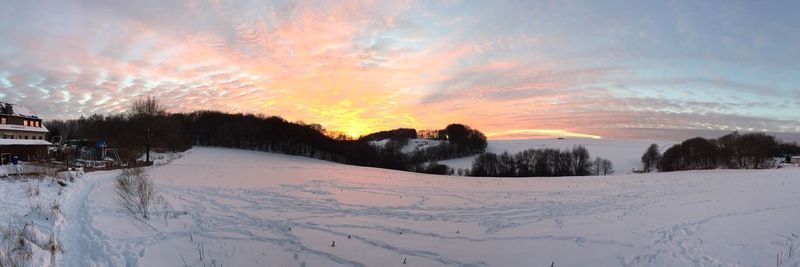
(21,134)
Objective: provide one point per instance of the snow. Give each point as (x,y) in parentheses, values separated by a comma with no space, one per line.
(160,158)
(35,142)
(242,208)
(413,144)
(24,111)
(419,144)
(13,127)
(28,206)
(624,154)
(20,110)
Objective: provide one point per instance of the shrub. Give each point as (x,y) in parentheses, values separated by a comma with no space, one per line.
(435,168)
(135,191)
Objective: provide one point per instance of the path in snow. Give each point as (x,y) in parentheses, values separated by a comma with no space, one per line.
(84,244)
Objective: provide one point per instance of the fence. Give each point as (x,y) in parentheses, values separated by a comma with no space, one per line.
(25,169)
(59,169)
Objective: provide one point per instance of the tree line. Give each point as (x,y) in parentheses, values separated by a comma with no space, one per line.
(732,151)
(541,163)
(147,125)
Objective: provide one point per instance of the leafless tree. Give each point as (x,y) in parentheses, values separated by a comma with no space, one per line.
(606,167)
(147,114)
(602,166)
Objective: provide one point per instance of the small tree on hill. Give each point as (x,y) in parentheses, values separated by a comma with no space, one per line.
(602,166)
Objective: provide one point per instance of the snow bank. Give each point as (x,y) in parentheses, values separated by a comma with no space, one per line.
(161,158)
(245,208)
(30,211)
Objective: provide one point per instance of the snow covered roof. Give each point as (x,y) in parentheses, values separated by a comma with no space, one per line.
(17,110)
(7,142)
(13,127)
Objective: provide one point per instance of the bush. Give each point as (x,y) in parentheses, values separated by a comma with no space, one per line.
(135,192)
(435,168)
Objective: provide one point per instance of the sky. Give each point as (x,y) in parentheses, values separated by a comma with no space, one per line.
(512,69)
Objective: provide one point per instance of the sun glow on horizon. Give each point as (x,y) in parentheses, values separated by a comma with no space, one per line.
(539,133)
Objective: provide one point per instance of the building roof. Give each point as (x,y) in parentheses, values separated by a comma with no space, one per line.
(13,127)
(26,142)
(17,110)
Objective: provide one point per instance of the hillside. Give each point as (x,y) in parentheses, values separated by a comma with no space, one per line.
(242,208)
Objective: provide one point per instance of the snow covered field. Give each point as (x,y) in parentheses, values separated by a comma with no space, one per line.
(413,144)
(624,154)
(259,209)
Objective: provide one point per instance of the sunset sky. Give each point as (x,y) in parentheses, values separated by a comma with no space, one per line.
(512,69)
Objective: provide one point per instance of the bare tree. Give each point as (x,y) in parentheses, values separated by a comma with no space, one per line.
(602,166)
(606,167)
(147,114)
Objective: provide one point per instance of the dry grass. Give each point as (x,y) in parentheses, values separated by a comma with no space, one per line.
(16,239)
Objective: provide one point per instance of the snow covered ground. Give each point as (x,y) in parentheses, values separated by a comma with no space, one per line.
(260,209)
(413,144)
(624,154)
(30,211)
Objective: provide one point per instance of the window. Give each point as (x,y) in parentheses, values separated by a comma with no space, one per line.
(2,120)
